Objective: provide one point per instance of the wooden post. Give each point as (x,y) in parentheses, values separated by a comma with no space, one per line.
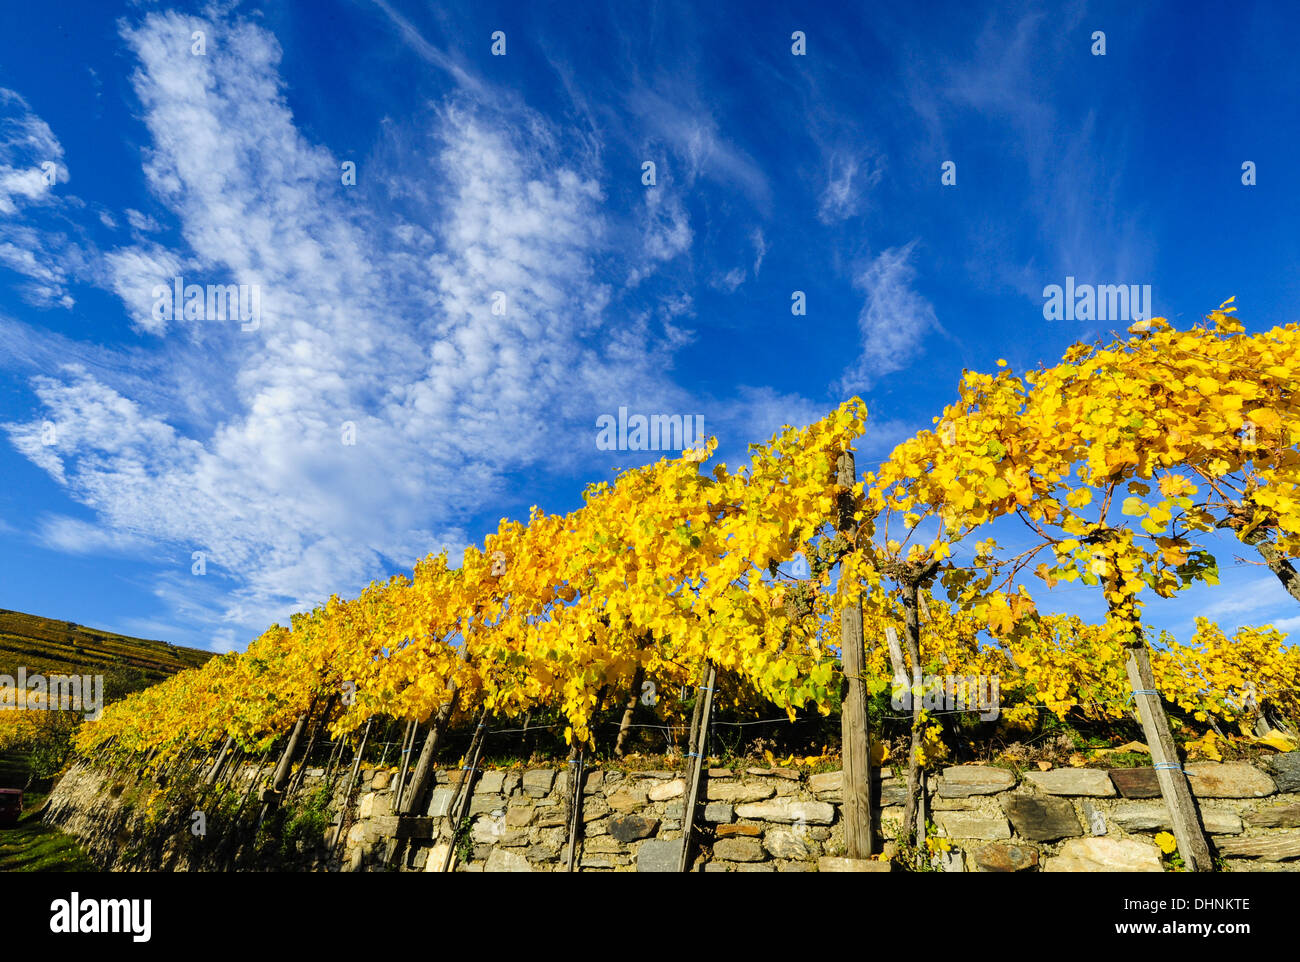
(233,761)
(692,798)
(575,810)
(467,788)
(347,790)
(912,632)
(408,746)
(695,712)
(397,845)
(629,710)
(311,745)
(1169,771)
(221,757)
(424,770)
(895,652)
(920,813)
(286,760)
(228,837)
(854,737)
(336,755)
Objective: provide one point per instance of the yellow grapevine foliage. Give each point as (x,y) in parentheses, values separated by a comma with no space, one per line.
(1117,457)
(1120,460)
(666,569)
(1230,677)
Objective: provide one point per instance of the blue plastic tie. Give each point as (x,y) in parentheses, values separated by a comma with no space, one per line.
(1174,767)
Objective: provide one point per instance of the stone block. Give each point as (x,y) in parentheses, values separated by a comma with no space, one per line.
(1094,782)
(960,781)
(972,825)
(1041,819)
(658,855)
(788,811)
(1005,857)
(1105,855)
(1228,780)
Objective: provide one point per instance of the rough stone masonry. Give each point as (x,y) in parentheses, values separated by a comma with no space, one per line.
(775,819)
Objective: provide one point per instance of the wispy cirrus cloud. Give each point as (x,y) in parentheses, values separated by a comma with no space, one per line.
(30,158)
(894,321)
(1078,226)
(372,323)
(848,180)
(26,144)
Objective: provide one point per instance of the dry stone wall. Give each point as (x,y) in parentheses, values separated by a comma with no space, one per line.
(784,820)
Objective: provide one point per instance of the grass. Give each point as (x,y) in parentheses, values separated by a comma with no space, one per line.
(32,845)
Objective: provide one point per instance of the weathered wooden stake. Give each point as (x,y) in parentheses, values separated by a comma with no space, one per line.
(311,745)
(695,711)
(221,757)
(629,710)
(281,778)
(466,787)
(896,661)
(691,801)
(408,746)
(1169,770)
(912,634)
(854,737)
(424,770)
(575,810)
(352,777)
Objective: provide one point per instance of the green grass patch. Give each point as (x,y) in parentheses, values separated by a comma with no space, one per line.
(32,845)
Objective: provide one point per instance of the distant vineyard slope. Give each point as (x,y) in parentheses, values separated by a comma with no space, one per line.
(49,647)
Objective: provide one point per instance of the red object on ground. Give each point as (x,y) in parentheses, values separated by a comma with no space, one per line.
(11,805)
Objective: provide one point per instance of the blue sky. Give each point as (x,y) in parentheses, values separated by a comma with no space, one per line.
(523,174)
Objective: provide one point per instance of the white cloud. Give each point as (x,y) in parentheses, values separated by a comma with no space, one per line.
(74,536)
(894,320)
(847,180)
(672,114)
(666,231)
(730,280)
(760,412)
(26,145)
(141,222)
(135,273)
(229,442)
(1262,592)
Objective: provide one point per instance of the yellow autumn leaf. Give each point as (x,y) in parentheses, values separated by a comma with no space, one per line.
(1080,497)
